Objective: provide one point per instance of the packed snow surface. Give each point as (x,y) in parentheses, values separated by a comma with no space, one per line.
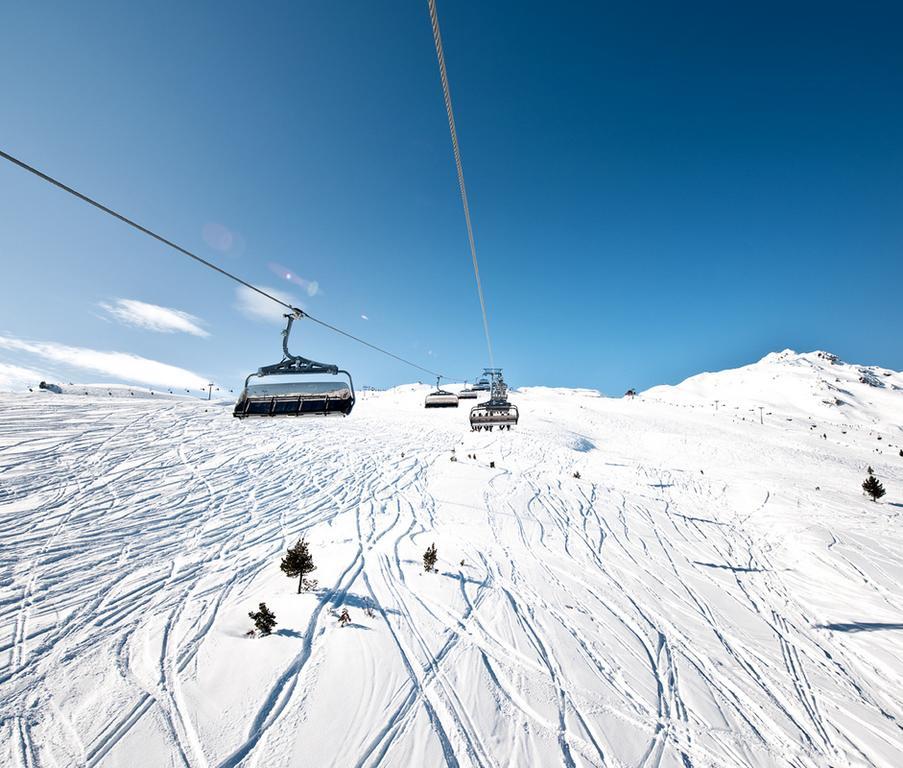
(710,591)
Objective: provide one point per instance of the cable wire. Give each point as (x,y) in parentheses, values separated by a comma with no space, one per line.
(211,265)
(440,55)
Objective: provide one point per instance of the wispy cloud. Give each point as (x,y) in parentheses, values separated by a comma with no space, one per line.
(153,317)
(253,305)
(364,317)
(15,377)
(122,366)
(311,287)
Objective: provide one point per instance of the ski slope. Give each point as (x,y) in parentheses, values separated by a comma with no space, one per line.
(711,591)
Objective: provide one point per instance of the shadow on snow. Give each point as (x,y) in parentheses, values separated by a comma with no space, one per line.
(860,626)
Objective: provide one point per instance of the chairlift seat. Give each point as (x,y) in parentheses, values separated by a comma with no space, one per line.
(441,399)
(314,398)
(496,411)
(493,413)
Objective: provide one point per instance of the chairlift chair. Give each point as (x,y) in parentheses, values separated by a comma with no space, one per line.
(300,397)
(496,411)
(440,398)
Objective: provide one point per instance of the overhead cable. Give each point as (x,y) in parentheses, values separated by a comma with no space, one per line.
(440,55)
(206,263)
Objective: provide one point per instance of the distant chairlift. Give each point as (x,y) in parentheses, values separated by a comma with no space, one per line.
(480,385)
(496,411)
(468,393)
(301,397)
(440,398)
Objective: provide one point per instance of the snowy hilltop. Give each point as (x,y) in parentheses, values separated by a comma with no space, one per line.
(816,384)
(692,576)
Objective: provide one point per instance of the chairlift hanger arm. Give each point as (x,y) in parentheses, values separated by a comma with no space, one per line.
(295,363)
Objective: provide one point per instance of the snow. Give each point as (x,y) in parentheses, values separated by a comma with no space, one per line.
(105,391)
(711,591)
(15,378)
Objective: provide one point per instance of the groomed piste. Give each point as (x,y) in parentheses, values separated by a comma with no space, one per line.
(638,581)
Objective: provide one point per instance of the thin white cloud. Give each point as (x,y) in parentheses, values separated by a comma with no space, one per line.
(14,378)
(122,366)
(153,317)
(364,317)
(253,305)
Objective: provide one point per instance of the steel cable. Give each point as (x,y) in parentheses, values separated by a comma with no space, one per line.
(211,265)
(440,55)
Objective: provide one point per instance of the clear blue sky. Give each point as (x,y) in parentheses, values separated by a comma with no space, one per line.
(656,188)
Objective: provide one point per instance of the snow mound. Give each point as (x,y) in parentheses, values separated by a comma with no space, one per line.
(810,384)
(559,391)
(114,391)
(578,443)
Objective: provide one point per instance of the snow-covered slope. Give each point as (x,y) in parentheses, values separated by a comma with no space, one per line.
(104,391)
(816,384)
(710,591)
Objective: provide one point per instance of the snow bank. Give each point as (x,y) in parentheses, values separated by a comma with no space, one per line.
(812,384)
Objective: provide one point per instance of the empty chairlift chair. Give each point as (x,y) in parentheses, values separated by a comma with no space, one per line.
(496,411)
(468,393)
(480,385)
(440,398)
(300,397)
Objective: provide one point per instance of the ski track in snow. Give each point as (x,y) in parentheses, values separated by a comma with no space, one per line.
(647,614)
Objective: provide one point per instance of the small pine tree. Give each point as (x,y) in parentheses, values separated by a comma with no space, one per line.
(576,475)
(870,470)
(430,557)
(297,562)
(872,486)
(264,619)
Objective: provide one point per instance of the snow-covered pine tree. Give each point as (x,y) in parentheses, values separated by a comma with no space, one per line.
(264,619)
(430,557)
(297,562)
(872,486)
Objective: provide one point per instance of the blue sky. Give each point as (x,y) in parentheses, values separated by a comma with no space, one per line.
(656,190)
